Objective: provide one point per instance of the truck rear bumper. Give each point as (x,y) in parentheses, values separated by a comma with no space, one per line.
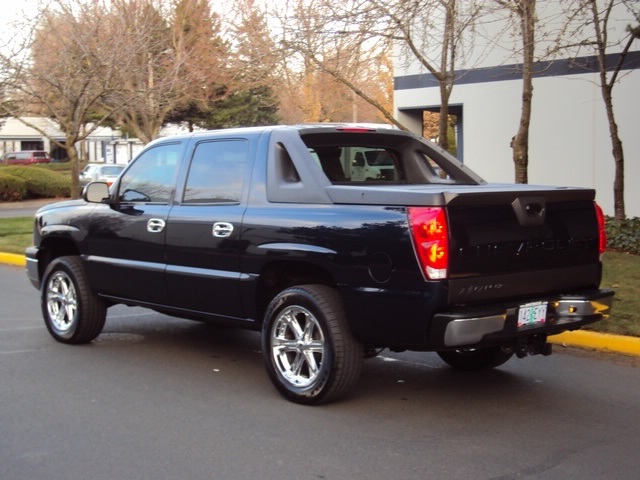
(499,324)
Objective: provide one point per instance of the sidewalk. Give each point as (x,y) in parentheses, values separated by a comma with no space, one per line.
(25,208)
(580,338)
(36,203)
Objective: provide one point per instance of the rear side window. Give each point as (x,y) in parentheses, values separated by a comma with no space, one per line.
(217,172)
(151,177)
(383,158)
(358,163)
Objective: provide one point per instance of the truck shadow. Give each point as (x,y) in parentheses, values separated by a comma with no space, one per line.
(407,380)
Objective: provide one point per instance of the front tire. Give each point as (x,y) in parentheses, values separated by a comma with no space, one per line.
(72,312)
(475,359)
(309,352)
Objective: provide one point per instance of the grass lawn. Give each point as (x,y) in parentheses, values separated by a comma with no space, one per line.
(15,234)
(621,273)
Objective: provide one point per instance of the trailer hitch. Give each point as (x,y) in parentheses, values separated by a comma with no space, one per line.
(533,345)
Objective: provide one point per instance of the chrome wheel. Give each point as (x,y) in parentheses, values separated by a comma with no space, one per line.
(297,346)
(62,302)
(310,354)
(72,312)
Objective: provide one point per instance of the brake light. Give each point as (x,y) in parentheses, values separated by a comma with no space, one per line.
(355,129)
(430,234)
(602,233)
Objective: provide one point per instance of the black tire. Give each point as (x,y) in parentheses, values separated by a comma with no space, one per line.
(309,352)
(475,359)
(71,311)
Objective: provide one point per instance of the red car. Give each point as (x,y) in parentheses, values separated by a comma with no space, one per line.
(26,157)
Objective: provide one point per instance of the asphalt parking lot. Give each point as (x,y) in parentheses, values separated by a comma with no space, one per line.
(163,398)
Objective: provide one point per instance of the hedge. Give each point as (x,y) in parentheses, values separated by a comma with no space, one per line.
(12,188)
(37,183)
(624,236)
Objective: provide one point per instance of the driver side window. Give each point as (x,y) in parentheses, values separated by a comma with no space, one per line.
(151,178)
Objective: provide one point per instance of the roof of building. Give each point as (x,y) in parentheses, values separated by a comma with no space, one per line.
(32,127)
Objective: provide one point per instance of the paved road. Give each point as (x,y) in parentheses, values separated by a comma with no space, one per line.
(23,209)
(161,398)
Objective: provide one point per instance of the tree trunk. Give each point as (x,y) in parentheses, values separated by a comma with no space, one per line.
(606,87)
(618,155)
(443,120)
(72,153)
(520,143)
(447,65)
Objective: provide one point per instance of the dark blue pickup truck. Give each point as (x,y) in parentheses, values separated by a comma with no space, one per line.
(279,229)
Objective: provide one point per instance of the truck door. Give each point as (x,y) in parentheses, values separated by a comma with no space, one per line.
(127,238)
(203,246)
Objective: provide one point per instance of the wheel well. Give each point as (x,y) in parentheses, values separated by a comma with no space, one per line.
(278,276)
(52,248)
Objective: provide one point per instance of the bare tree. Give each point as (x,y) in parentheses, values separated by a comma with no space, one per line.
(322,46)
(600,17)
(593,27)
(184,61)
(427,31)
(64,70)
(524,12)
(433,33)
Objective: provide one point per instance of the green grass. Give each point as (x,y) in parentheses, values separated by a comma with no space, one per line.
(15,234)
(621,272)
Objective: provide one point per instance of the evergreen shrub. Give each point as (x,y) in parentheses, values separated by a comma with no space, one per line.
(40,182)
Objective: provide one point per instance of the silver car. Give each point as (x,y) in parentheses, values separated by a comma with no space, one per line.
(100,172)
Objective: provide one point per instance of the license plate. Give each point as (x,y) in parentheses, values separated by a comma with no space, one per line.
(532,314)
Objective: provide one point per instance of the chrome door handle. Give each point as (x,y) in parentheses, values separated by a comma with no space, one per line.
(222,229)
(155,225)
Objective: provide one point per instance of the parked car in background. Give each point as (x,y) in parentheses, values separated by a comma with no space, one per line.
(100,172)
(26,157)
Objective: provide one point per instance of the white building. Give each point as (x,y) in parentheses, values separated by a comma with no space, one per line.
(103,145)
(569,140)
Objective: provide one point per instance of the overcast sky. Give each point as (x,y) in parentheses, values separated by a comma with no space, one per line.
(14,12)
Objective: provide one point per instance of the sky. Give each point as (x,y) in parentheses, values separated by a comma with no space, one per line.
(13,12)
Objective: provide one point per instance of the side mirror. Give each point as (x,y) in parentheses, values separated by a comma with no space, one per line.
(96,192)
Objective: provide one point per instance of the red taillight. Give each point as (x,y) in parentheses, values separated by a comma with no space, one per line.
(431,239)
(601,229)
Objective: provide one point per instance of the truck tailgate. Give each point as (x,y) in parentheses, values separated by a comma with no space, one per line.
(517,244)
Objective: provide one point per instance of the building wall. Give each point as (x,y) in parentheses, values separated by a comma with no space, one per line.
(104,145)
(569,134)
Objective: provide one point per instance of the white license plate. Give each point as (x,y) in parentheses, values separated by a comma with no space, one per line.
(532,314)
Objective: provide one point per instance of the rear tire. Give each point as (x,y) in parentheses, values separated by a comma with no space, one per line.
(475,359)
(309,352)
(71,311)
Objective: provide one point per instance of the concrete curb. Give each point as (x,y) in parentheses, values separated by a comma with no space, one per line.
(598,341)
(13,259)
(580,338)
